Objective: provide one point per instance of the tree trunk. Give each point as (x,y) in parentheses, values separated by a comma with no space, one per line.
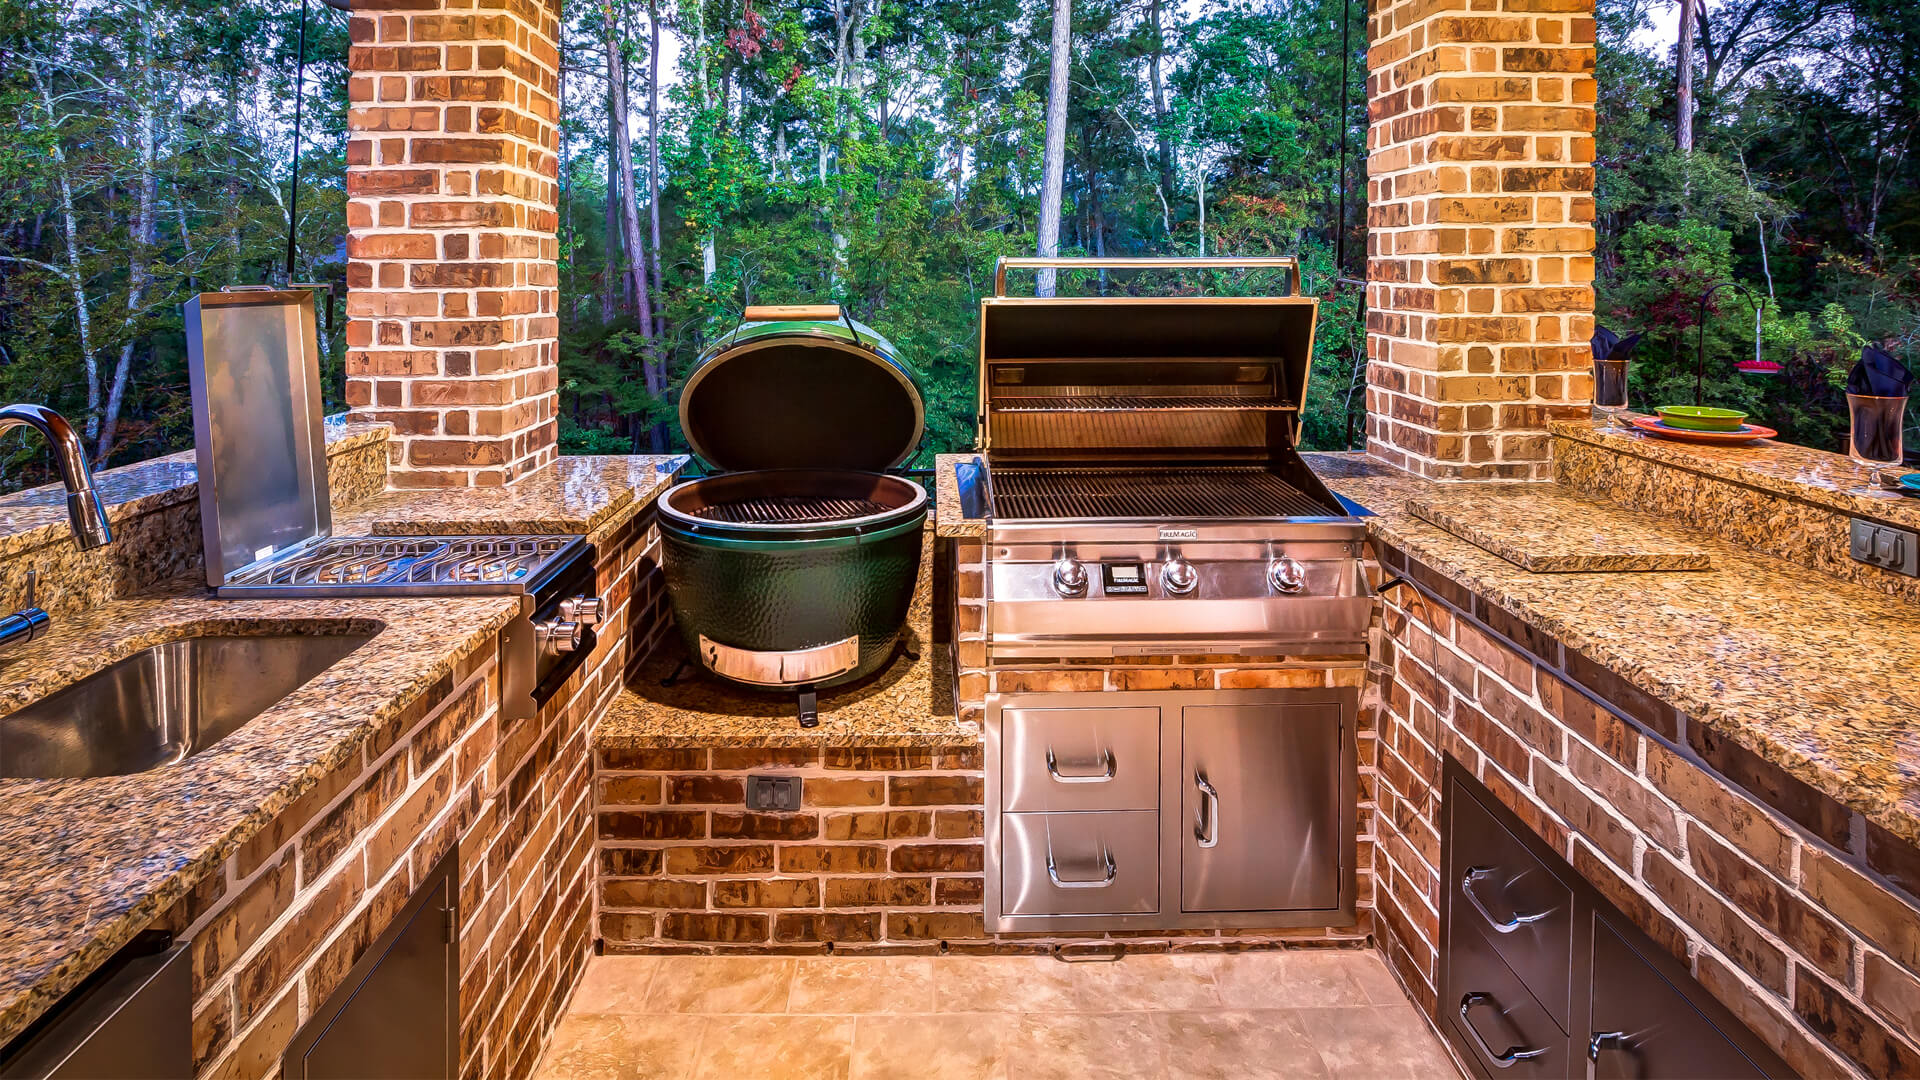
(1683,71)
(653,162)
(633,252)
(1164,141)
(140,261)
(1054,163)
(610,272)
(70,230)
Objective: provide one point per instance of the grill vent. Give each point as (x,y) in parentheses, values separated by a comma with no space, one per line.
(788,510)
(1042,494)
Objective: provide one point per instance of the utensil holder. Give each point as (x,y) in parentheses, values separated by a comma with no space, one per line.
(1876,423)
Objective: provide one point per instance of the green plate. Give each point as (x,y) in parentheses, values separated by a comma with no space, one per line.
(1701,417)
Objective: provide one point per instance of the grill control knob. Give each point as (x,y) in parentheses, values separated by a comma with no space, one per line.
(585,610)
(557,637)
(1069,576)
(1178,576)
(1287,575)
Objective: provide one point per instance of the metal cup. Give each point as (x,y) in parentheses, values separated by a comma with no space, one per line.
(1875,436)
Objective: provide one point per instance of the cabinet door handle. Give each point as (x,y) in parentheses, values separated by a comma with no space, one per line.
(1603,1041)
(1207,829)
(1506,1058)
(1090,883)
(1508,926)
(1053,769)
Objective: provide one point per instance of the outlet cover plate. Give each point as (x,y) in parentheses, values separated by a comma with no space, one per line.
(1885,546)
(780,794)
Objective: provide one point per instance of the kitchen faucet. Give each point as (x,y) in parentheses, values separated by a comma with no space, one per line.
(84,512)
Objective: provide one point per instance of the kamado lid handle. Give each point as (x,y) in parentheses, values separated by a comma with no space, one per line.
(801,313)
(1252,262)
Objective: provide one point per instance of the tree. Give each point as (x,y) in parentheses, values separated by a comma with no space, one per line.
(1053,169)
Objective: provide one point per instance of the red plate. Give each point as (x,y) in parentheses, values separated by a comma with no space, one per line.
(1745,434)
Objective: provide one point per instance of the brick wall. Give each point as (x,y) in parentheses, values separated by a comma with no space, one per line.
(1480,247)
(452,283)
(1780,901)
(279,926)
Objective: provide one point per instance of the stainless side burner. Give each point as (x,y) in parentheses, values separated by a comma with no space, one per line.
(389,565)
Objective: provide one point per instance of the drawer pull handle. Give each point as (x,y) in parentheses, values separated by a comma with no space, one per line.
(1476,873)
(1207,829)
(1603,1041)
(1053,769)
(1506,1058)
(1090,883)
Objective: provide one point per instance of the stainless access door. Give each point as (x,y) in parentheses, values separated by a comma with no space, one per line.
(1261,807)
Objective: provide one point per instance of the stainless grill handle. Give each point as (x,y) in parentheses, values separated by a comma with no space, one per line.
(1004,264)
(1053,769)
(1476,873)
(1207,829)
(1091,883)
(1501,1059)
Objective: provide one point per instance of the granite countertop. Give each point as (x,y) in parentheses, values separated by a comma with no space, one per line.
(1820,477)
(86,864)
(1546,531)
(575,494)
(948,517)
(38,516)
(1812,673)
(907,703)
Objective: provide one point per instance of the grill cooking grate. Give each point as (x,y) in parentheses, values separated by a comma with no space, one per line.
(1040,494)
(788,510)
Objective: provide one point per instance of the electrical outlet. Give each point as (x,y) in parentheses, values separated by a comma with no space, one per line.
(1884,546)
(778,793)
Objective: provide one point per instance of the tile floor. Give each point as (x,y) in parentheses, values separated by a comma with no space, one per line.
(1295,1014)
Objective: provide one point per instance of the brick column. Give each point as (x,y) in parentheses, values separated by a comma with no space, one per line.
(1480,243)
(451,279)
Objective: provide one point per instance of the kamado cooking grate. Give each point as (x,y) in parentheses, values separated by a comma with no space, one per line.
(1250,492)
(789,510)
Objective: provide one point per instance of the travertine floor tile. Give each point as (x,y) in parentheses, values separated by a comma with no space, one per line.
(720,984)
(608,1047)
(776,1048)
(1238,1045)
(949,1047)
(881,984)
(1376,1043)
(1286,1015)
(1290,979)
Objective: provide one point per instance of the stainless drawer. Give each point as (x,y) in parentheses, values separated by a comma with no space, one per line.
(1104,863)
(1502,892)
(1080,759)
(1499,1026)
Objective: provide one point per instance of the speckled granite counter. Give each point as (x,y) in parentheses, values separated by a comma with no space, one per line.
(949,517)
(907,703)
(573,495)
(1811,673)
(1546,532)
(86,864)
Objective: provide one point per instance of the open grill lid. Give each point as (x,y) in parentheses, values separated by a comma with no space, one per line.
(802,387)
(1127,379)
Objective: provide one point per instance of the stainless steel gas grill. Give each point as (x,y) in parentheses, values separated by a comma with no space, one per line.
(1145,497)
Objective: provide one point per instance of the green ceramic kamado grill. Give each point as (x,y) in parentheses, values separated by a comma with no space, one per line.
(791,567)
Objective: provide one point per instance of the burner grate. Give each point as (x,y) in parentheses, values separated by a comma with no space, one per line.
(409,561)
(789,510)
(1040,494)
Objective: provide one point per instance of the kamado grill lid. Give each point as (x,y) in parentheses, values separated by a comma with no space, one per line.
(802,387)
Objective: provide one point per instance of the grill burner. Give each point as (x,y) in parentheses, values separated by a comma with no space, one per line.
(1158,494)
(390,561)
(788,510)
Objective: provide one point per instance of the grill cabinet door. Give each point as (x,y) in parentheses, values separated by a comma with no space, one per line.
(1642,1028)
(1261,803)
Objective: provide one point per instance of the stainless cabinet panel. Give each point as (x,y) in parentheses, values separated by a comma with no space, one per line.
(1261,797)
(1497,1023)
(132,1021)
(1521,909)
(1080,759)
(1104,863)
(1645,1029)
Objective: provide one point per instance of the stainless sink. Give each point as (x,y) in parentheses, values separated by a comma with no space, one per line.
(164,704)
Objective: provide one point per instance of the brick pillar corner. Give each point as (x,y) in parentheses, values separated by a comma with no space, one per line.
(1480,235)
(452,284)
